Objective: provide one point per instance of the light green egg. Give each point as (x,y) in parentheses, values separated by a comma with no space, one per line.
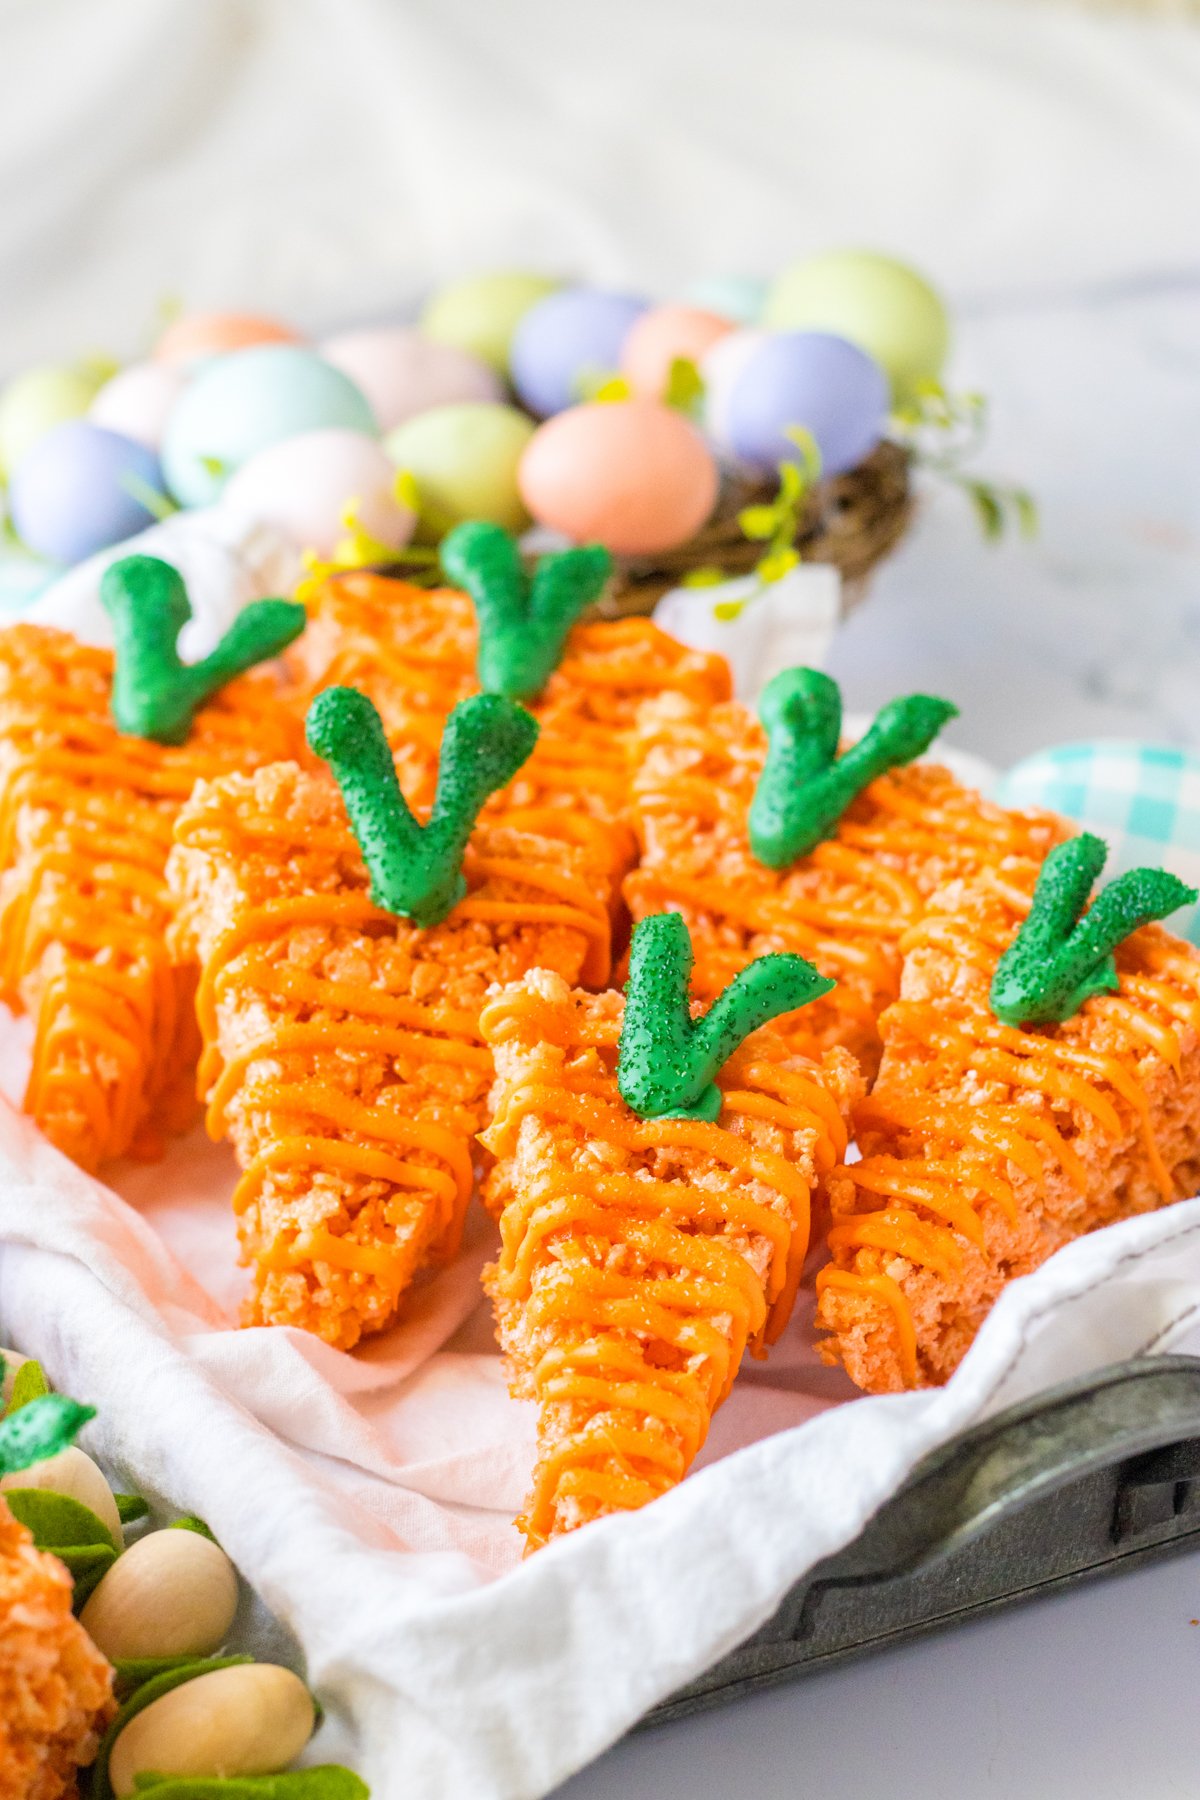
(480,313)
(34,402)
(883,306)
(464,460)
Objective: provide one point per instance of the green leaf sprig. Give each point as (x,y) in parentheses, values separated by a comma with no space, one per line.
(805,786)
(1063,955)
(416,870)
(326,1781)
(523,619)
(942,431)
(775,523)
(667,1060)
(155,694)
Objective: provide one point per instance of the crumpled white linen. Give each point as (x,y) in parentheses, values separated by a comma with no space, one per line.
(368,1498)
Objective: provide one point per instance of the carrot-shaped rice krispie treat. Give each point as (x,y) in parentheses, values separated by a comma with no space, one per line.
(97,754)
(416,653)
(1040,1078)
(345,961)
(56,1690)
(765,838)
(653,1180)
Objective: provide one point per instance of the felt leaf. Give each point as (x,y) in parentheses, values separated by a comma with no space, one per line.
(667,1060)
(40,1430)
(189,1522)
(523,620)
(327,1781)
(805,786)
(59,1522)
(131,1507)
(416,870)
(155,694)
(29,1383)
(1062,955)
(143,1696)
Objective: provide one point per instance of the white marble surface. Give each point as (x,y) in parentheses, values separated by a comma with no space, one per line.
(1094,629)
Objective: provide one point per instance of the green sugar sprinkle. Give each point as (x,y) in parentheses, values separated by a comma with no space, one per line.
(805,786)
(1063,955)
(523,620)
(416,870)
(156,695)
(668,1060)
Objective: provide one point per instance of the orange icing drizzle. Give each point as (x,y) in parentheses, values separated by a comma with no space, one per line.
(921,1207)
(646,1364)
(85,830)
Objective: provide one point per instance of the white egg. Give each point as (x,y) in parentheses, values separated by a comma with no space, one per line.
(303,485)
(720,370)
(137,400)
(402,373)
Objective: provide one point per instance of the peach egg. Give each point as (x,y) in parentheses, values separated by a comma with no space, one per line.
(660,337)
(631,474)
(215,334)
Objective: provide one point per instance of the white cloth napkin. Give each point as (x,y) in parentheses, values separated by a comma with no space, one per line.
(369,1498)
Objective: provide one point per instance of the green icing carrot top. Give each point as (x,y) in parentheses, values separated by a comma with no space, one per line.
(1062,955)
(155,694)
(523,619)
(667,1060)
(416,870)
(805,786)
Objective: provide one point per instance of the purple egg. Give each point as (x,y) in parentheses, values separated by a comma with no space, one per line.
(808,378)
(76,491)
(568,335)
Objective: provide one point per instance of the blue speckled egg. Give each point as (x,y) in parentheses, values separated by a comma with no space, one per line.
(75,492)
(566,337)
(1143,799)
(238,404)
(808,378)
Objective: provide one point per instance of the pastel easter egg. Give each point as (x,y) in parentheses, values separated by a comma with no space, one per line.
(464,461)
(403,373)
(663,335)
(303,485)
(881,305)
(238,405)
(564,339)
(812,379)
(632,474)
(1143,799)
(34,402)
(76,491)
(138,400)
(480,313)
(198,335)
(738,298)
(720,370)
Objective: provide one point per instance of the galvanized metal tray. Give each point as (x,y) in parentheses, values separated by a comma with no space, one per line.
(1090,1477)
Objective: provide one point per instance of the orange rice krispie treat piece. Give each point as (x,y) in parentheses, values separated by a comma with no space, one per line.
(55,1687)
(343,1055)
(86,812)
(845,902)
(988,1145)
(640,1256)
(415,652)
